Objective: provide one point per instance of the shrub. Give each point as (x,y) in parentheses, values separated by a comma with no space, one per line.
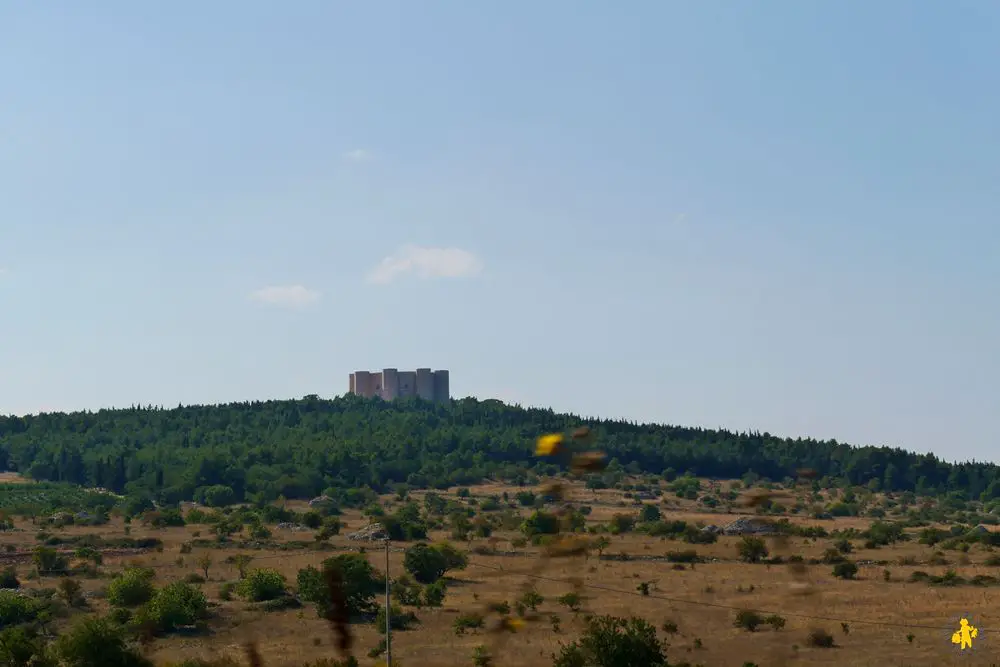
(262,585)
(820,639)
(614,641)
(277,604)
(131,588)
(71,592)
(845,570)
(407,592)
(540,523)
(481,657)
(531,599)
(775,621)
(174,606)
(649,513)
(16,609)
(226,590)
(571,601)
(621,523)
(832,557)
(96,641)
(8,578)
(470,621)
(399,620)
(434,593)
(748,619)
(686,556)
(119,615)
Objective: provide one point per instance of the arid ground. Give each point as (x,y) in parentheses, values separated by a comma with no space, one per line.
(881,617)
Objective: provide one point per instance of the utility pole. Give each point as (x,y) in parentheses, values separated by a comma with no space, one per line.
(388,609)
(376,532)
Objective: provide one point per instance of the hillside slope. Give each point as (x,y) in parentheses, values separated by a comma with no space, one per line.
(298,448)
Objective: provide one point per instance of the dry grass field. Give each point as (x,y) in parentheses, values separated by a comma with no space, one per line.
(877,619)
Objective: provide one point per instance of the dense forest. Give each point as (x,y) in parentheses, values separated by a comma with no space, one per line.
(302,448)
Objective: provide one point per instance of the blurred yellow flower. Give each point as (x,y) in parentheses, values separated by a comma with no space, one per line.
(548,444)
(514,624)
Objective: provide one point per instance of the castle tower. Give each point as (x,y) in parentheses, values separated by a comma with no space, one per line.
(425,384)
(361,384)
(407,383)
(390,383)
(442,392)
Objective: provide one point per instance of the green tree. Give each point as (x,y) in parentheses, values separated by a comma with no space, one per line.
(600,544)
(136,505)
(205,563)
(242,561)
(329,528)
(49,562)
(650,513)
(752,550)
(217,495)
(454,559)
(361,583)
(845,570)
(540,523)
(426,563)
(621,523)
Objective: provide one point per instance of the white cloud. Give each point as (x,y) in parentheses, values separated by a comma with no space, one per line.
(425,262)
(289,296)
(358,155)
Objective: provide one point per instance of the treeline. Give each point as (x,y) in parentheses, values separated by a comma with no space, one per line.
(302,448)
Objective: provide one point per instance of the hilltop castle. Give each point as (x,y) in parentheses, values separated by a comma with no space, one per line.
(391,383)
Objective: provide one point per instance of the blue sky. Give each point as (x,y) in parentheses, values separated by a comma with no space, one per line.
(780,216)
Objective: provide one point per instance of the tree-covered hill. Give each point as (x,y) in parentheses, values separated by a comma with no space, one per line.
(299,448)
